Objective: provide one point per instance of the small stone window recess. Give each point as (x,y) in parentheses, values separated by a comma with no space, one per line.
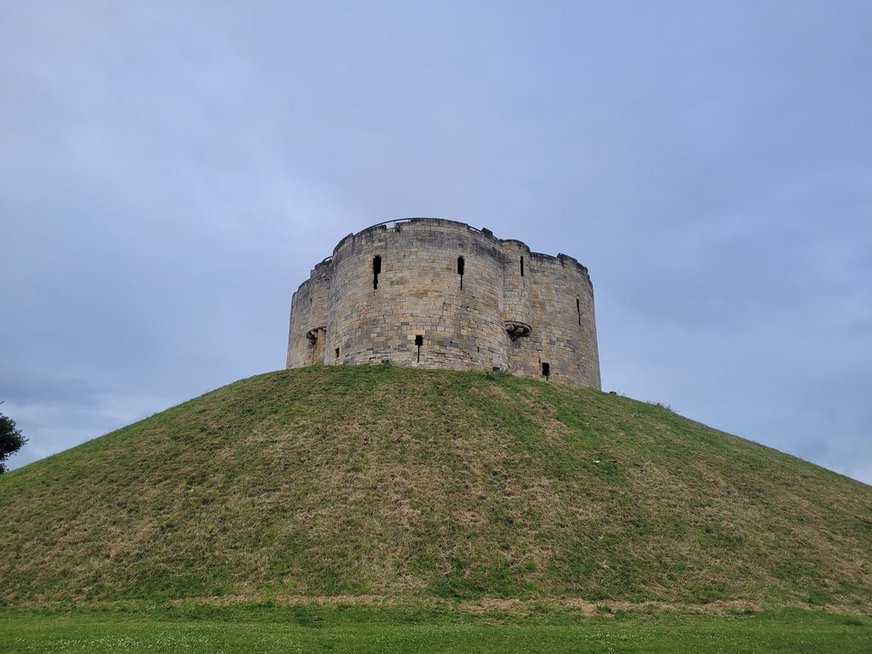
(546,370)
(337,352)
(419,341)
(578,309)
(376,270)
(522,266)
(460,265)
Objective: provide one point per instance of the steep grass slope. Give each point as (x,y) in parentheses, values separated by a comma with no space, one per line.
(384,482)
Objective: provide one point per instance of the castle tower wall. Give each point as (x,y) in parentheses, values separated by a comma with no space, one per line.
(309,306)
(565,335)
(436,293)
(516,295)
(517,310)
(419,296)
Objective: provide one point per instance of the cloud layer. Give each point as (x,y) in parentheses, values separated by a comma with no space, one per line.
(169,173)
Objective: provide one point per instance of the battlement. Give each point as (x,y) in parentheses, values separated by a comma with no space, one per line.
(435,293)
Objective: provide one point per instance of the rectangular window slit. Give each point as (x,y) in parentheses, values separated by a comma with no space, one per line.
(578,309)
(419,341)
(546,370)
(337,352)
(460,266)
(376,270)
(522,266)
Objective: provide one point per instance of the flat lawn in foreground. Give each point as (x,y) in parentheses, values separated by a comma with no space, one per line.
(300,629)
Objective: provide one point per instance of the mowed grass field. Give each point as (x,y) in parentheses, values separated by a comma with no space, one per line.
(316,629)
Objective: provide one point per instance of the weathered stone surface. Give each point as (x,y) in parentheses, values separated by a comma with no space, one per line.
(511,308)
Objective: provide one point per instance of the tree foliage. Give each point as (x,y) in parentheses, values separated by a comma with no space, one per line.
(11,440)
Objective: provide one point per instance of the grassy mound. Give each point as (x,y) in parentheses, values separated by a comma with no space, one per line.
(375,484)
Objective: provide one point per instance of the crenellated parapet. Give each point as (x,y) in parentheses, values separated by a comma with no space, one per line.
(437,293)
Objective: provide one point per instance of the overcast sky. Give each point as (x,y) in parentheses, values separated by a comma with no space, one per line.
(170,172)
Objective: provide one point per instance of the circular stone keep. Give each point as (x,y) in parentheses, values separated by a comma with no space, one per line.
(433,293)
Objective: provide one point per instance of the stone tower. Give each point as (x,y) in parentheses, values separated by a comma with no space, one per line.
(432,293)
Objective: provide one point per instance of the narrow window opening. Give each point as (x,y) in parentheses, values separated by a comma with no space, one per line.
(376,270)
(546,370)
(460,266)
(419,341)
(522,266)
(578,309)
(337,352)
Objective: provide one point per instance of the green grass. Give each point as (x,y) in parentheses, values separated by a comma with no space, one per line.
(314,629)
(431,489)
